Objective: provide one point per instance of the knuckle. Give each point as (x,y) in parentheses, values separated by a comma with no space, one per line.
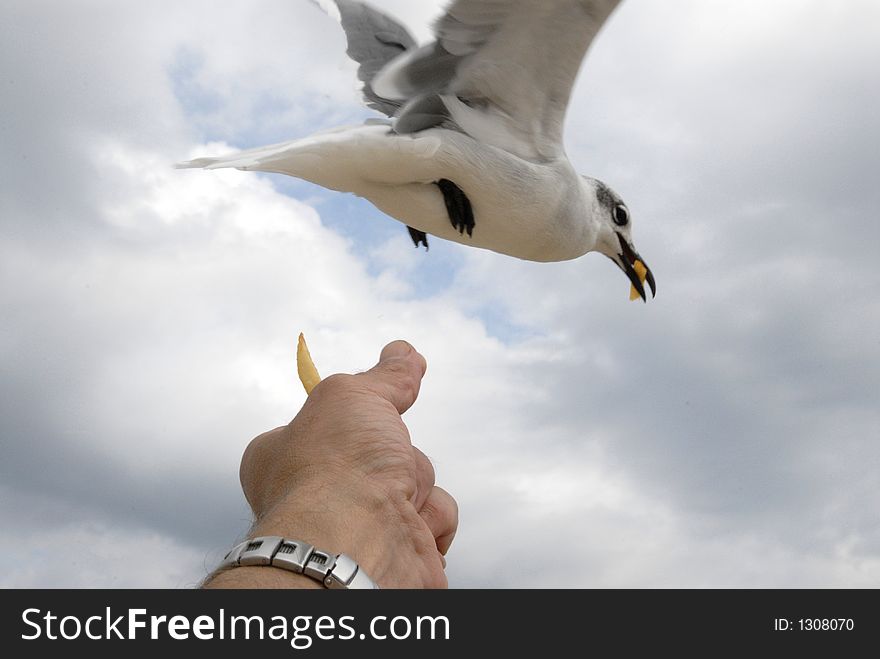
(257,448)
(407,378)
(398,366)
(444,506)
(335,385)
(425,470)
(430,513)
(453,511)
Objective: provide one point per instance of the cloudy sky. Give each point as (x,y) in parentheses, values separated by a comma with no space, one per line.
(727,434)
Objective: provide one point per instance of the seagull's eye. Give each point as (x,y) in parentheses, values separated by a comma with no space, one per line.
(621,215)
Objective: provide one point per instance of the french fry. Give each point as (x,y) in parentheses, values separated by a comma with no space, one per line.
(642,272)
(305,367)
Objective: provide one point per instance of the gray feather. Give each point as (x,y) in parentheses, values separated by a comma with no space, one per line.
(423,112)
(429,69)
(374,39)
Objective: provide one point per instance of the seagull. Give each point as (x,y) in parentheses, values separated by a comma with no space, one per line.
(471,146)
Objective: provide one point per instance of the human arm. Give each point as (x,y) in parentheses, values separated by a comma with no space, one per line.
(345,477)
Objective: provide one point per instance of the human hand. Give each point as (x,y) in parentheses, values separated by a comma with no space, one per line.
(345,477)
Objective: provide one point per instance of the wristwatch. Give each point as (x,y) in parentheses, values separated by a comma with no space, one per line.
(335,571)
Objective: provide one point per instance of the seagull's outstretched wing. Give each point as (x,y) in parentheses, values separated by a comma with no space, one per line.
(511,63)
(374,40)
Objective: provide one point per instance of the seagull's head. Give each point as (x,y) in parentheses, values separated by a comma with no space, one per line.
(614,236)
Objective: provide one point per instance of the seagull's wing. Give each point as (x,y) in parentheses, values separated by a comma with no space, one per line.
(374,39)
(513,63)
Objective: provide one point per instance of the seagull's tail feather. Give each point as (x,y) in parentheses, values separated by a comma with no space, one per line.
(349,159)
(374,40)
(337,159)
(249,159)
(198,163)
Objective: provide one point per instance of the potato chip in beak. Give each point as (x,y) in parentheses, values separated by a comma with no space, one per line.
(636,270)
(642,272)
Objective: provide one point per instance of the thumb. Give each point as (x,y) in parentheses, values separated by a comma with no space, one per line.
(398,376)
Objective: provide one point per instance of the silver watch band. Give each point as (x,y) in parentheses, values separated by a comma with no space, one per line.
(336,571)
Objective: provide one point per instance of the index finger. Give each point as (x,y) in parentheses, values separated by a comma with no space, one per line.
(398,376)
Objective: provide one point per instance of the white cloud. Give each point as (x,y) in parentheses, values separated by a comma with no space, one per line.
(721,436)
(51,550)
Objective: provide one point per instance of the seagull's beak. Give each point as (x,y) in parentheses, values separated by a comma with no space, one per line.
(629,260)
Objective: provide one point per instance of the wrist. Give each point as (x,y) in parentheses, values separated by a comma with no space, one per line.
(366,524)
(378,528)
(259,577)
(334,571)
